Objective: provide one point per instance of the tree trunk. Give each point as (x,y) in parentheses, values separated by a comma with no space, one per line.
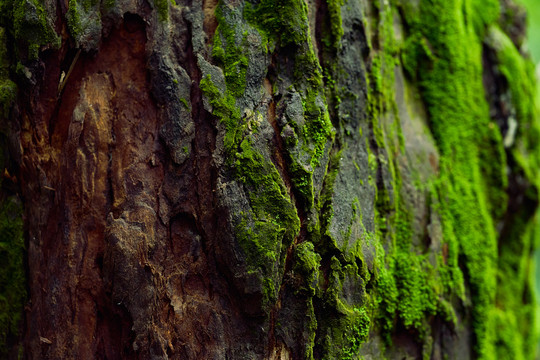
(272,179)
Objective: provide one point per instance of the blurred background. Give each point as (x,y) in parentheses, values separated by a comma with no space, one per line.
(533,35)
(533,44)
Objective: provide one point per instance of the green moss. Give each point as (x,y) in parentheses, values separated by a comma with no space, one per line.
(12,274)
(307,263)
(8,92)
(185,103)
(356,333)
(408,290)
(224,107)
(31,26)
(515,334)
(336,27)
(519,73)
(265,232)
(444,53)
(344,326)
(285,20)
(229,55)
(74,19)
(318,128)
(162,7)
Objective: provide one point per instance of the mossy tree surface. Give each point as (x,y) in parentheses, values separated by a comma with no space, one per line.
(441,53)
(374,169)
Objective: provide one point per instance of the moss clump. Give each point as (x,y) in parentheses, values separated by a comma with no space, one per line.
(356,333)
(307,263)
(12,274)
(162,7)
(443,53)
(224,107)
(74,19)
(230,56)
(346,334)
(185,103)
(336,27)
(31,26)
(285,20)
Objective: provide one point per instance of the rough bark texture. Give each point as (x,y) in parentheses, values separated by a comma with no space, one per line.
(273,179)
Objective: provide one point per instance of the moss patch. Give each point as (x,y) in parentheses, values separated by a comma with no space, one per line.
(265,232)
(31,26)
(472,182)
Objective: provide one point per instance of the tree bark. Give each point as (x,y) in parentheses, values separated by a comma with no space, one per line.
(277,179)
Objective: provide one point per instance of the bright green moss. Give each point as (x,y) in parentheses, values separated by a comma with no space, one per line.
(417,295)
(318,128)
(356,333)
(444,53)
(386,300)
(314,137)
(515,334)
(224,107)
